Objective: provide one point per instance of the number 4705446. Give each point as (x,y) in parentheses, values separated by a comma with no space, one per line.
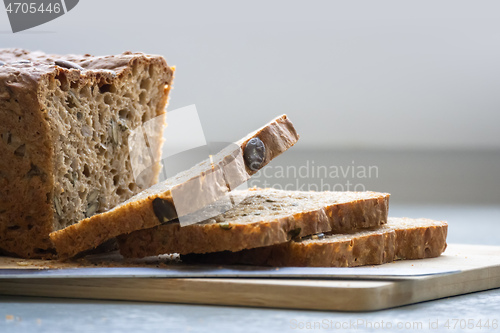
(470,324)
(32,8)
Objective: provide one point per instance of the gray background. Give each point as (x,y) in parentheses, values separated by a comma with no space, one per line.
(409,86)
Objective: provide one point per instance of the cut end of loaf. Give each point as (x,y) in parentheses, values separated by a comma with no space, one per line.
(101,114)
(65,131)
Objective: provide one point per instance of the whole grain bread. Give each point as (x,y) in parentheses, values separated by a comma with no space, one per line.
(197,187)
(263,217)
(400,238)
(64,126)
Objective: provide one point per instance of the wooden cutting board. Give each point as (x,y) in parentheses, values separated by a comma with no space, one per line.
(461,269)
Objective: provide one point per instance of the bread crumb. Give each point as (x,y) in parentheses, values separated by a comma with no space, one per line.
(9,317)
(23,263)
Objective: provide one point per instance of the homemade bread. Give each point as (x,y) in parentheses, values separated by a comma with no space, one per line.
(64,126)
(400,238)
(190,190)
(263,217)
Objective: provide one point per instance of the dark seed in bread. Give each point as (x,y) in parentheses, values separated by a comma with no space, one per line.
(164,211)
(254,154)
(68,64)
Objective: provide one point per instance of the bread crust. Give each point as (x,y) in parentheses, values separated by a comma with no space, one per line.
(30,136)
(400,238)
(137,213)
(339,212)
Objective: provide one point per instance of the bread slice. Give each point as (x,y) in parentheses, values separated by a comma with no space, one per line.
(400,238)
(196,187)
(264,217)
(64,126)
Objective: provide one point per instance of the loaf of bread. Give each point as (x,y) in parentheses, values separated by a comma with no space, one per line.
(263,217)
(400,238)
(193,189)
(64,126)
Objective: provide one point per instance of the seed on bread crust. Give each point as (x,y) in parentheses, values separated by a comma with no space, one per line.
(225,225)
(34,171)
(294,233)
(163,210)
(254,154)
(6,137)
(20,151)
(68,64)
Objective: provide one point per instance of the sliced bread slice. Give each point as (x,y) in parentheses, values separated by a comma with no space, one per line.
(400,238)
(197,187)
(263,217)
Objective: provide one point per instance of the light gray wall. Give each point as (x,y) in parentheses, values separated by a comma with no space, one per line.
(350,74)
